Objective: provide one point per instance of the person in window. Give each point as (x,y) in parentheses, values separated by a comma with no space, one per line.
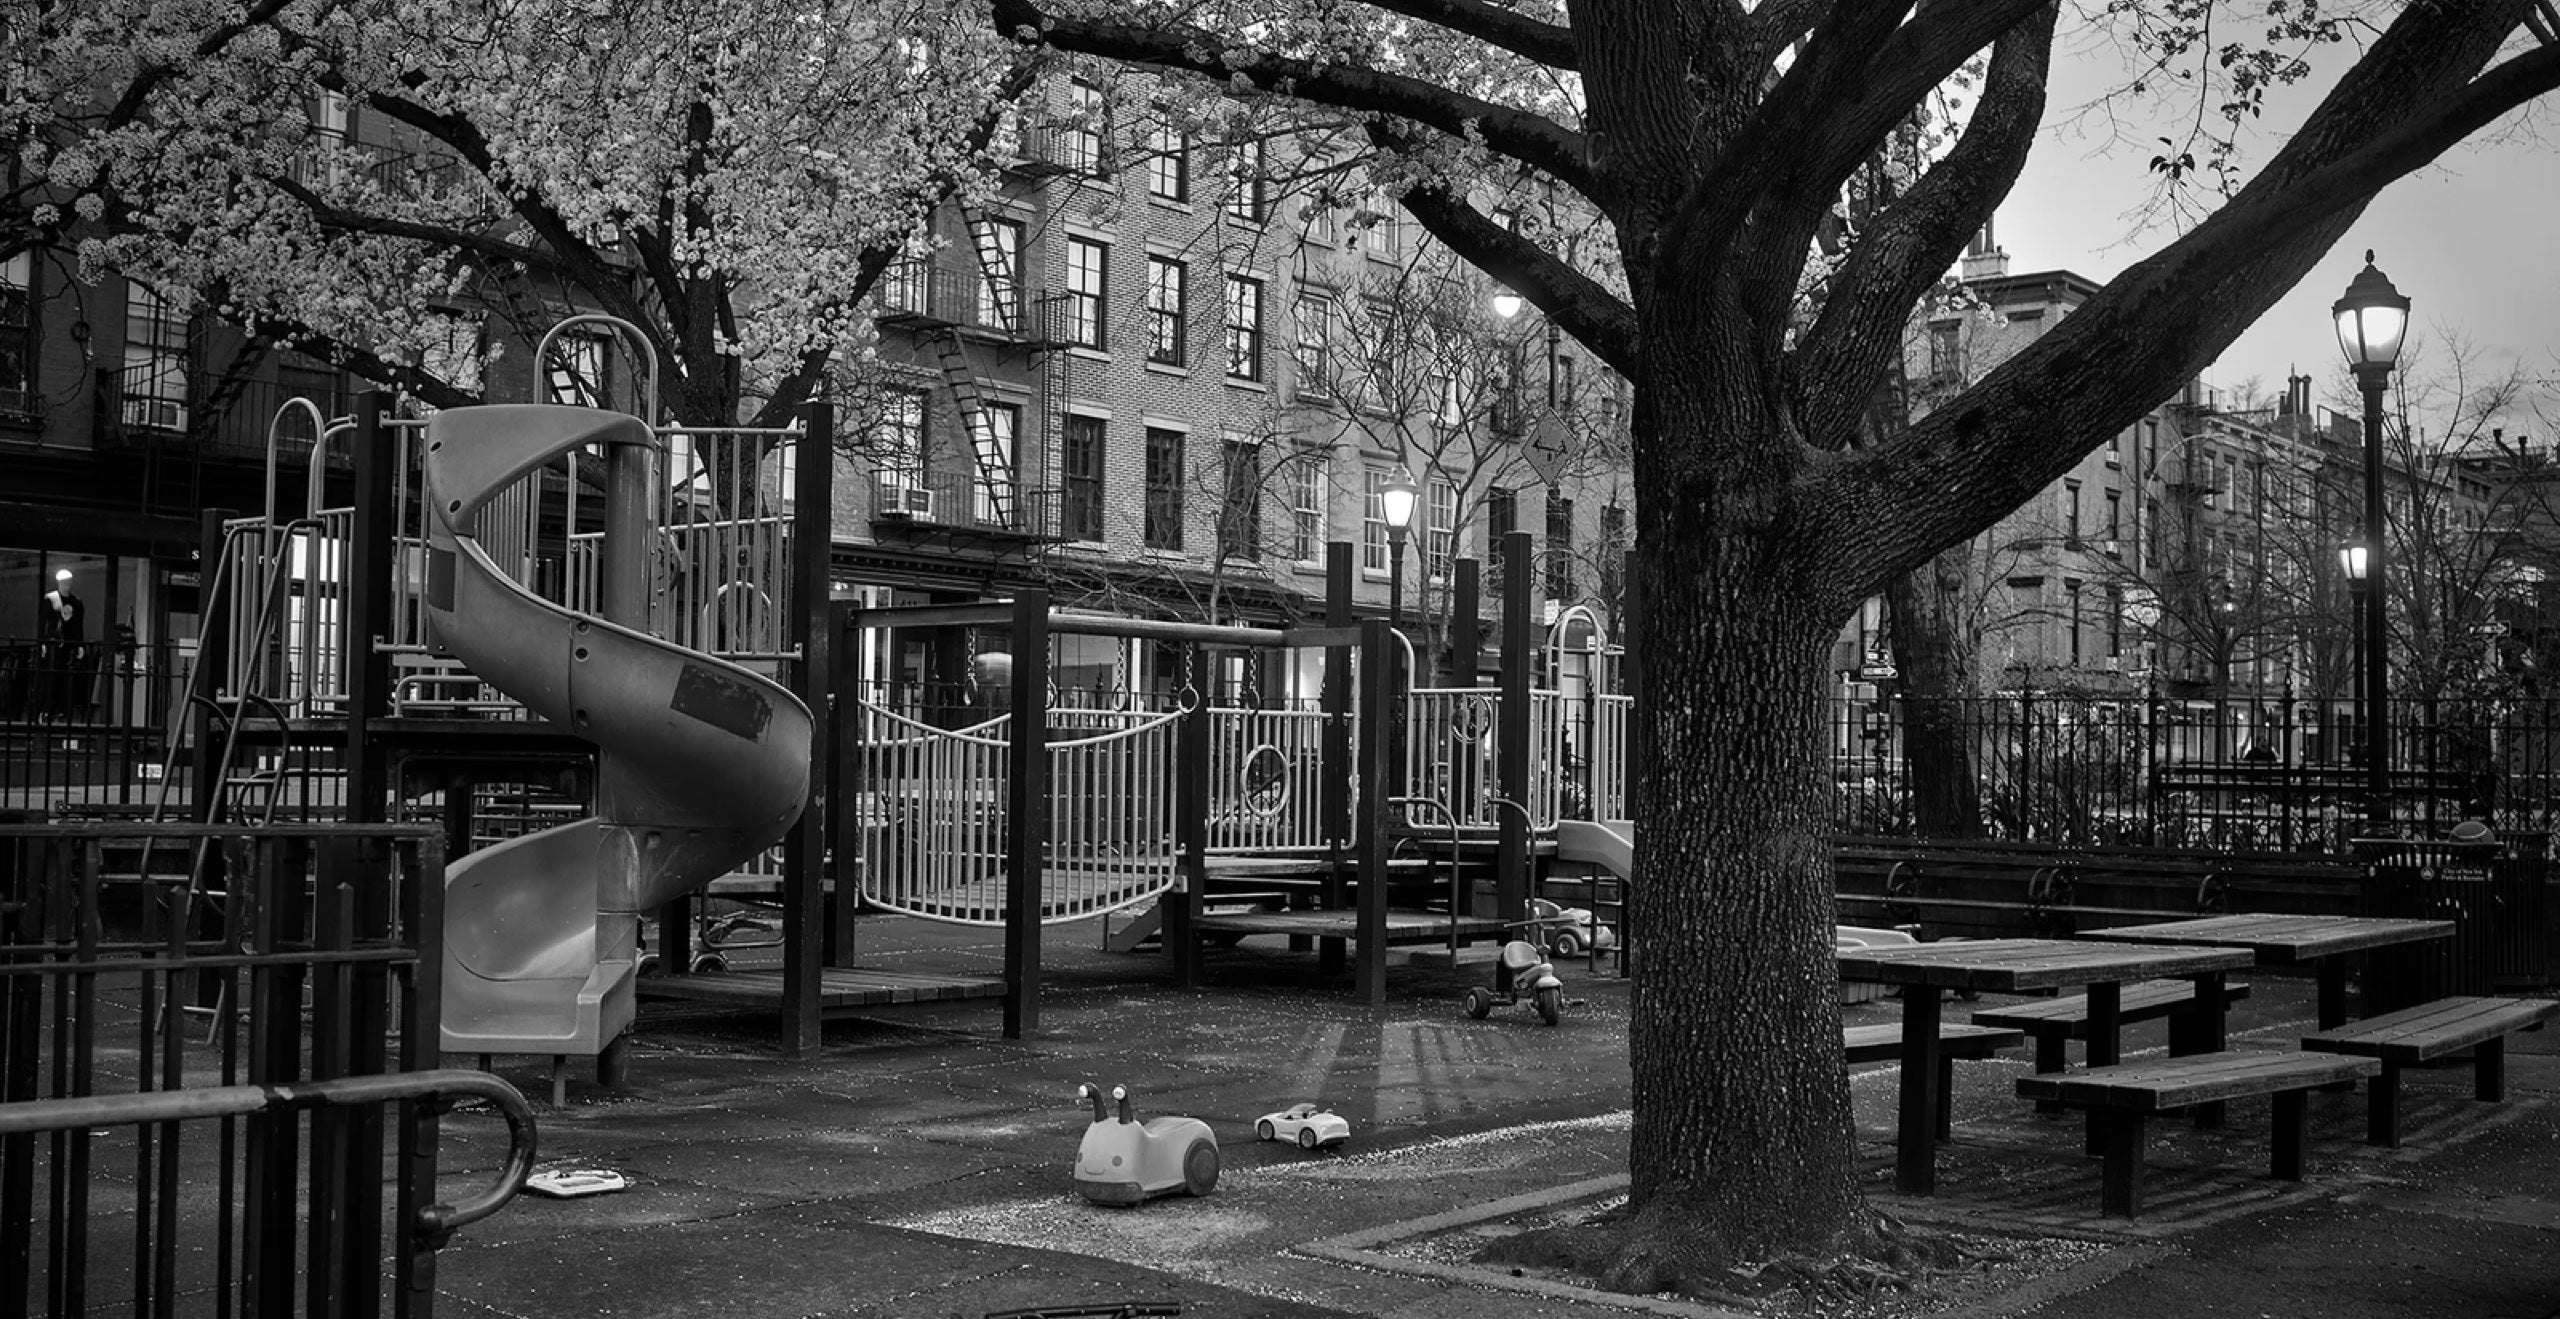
(60,626)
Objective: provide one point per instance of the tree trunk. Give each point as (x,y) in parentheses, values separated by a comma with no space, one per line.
(1743,1138)
(1933,658)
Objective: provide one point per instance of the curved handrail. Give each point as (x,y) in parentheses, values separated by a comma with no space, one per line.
(648,353)
(33,1116)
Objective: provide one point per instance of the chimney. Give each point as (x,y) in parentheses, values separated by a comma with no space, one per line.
(1983,258)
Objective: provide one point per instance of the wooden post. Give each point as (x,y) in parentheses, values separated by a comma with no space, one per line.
(1026,816)
(369,562)
(1376,694)
(804,848)
(1519,605)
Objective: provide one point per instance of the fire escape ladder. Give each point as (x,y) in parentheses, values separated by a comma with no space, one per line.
(995,473)
(1002,272)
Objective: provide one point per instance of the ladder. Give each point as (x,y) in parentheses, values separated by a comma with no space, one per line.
(995,466)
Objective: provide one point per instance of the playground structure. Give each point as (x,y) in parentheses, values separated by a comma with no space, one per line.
(512,588)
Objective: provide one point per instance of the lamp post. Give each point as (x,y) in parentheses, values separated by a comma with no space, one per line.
(2373,319)
(2355,561)
(1396,500)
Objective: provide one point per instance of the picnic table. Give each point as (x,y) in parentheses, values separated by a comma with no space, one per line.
(2013,966)
(2276,939)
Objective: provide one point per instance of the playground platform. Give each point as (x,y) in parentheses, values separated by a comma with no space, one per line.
(917,1165)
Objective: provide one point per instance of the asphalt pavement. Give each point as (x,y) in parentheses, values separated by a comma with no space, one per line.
(919,1166)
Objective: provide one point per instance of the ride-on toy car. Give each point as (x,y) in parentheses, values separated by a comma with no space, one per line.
(1521,970)
(1124,1161)
(1306,1124)
(1579,931)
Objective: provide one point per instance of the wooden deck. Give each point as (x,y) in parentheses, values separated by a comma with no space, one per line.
(839,989)
(1402,926)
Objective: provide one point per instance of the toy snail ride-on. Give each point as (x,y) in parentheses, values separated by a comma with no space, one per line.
(1123,1161)
(1520,971)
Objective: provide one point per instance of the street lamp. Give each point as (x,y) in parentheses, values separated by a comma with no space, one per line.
(1506,304)
(2356,562)
(1396,500)
(2373,319)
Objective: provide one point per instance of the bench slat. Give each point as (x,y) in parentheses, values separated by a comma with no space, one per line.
(2432,1030)
(2068,1014)
(1882,1042)
(2161,1085)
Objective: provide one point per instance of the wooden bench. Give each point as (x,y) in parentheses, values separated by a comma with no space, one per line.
(2425,1033)
(2121,1098)
(1882,1043)
(2055,1021)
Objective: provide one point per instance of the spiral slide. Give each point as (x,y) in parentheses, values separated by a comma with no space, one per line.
(701,764)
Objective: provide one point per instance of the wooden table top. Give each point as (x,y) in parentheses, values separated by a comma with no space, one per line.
(2277,938)
(2009,966)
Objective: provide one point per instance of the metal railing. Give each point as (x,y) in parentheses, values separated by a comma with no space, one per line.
(163,1022)
(2283,773)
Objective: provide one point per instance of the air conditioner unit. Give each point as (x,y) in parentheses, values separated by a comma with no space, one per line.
(2114,549)
(906,501)
(2115,663)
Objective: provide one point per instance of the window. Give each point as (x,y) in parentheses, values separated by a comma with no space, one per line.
(1946,355)
(1164,489)
(2115,620)
(17,333)
(1385,354)
(1613,529)
(1559,548)
(1244,327)
(2071,512)
(2071,595)
(155,360)
(1564,383)
(900,442)
(1373,520)
(999,272)
(1003,427)
(1080,463)
(1169,164)
(454,351)
(1250,202)
(1166,332)
(1080,147)
(1088,292)
(2115,523)
(1440,543)
(1314,354)
(1307,508)
(1240,514)
(1501,518)
(576,371)
(2115,450)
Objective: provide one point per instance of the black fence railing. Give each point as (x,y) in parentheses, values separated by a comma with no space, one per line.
(167,992)
(2274,774)
(86,722)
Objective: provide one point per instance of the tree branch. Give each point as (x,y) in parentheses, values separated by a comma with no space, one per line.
(1493,25)
(1526,137)
(1578,304)
(2164,319)
(1902,254)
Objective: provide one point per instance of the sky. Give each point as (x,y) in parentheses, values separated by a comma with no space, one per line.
(2468,240)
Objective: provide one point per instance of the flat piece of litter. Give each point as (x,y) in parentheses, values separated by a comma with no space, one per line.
(565,1183)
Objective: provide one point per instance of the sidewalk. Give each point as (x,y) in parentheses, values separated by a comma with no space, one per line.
(919,1167)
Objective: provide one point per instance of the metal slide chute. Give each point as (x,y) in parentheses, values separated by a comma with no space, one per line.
(702,764)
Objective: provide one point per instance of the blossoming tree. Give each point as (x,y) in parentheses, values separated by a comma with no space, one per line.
(731,178)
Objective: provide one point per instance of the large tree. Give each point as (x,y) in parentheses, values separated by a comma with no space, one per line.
(1717,137)
(730,178)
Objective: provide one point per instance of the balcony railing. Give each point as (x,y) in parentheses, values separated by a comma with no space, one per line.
(957,499)
(953,292)
(160,401)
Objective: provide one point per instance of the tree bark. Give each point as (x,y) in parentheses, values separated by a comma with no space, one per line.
(1932,658)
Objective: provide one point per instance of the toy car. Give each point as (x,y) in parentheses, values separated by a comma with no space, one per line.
(1306,1124)
(1124,1162)
(1572,931)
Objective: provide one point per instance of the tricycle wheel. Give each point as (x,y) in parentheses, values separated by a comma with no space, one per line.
(1263,1130)
(1306,1138)
(1200,1167)
(1550,1005)
(1479,1003)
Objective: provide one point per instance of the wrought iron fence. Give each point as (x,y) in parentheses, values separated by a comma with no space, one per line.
(167,995)
(2280,773)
